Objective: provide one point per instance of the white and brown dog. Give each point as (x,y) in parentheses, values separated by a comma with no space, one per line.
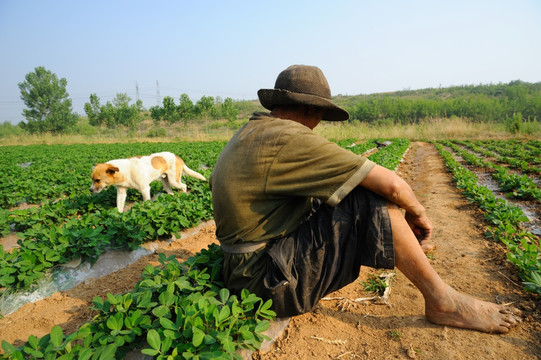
(138,172)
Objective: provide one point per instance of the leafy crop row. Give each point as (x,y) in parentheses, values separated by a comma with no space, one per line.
(391,155)
(44,244)
(182,310)
(36,173)
(529,151)
(520,186)
(505,220)
(85,225)
(513,162)
(388,156)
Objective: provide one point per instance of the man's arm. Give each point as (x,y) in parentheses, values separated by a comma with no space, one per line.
(392,187)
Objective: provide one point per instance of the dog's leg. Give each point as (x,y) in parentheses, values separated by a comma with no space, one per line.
(177,184)
(166,185)
(121,193)
(145,191)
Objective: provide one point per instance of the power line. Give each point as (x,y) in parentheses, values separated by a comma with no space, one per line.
(158,100)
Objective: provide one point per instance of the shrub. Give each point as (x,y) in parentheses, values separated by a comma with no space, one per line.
(514,123)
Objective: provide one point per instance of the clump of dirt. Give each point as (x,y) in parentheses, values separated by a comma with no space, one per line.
(341,329)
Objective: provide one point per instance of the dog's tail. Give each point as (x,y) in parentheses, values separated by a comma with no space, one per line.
(192,173)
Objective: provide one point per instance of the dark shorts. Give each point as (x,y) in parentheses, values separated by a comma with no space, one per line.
(326,252)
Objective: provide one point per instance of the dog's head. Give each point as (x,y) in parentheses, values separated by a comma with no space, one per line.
(104,175)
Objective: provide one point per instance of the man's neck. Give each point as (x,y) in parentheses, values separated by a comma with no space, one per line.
(296,114)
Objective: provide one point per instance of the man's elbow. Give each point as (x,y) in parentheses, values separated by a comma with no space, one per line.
(395,190)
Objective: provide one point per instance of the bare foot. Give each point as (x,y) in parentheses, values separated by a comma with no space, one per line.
(463,311)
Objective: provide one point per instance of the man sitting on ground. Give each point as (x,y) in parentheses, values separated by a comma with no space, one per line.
(297,216)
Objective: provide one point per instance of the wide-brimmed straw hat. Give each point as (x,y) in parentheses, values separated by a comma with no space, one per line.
(302,84)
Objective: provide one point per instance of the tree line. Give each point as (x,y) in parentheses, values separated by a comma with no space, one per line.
(205,108)
(481,103)
(49,108)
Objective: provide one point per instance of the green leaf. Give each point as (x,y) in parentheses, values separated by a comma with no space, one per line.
(183,284)
(224,295)
(109,352)
(33,341)
(153,339)
(98,302)
(167,324)
(166,344)
(83,332)
(246,333)
(85,354)
(262,326)
(170,334)
(229,346)
(119,341)
(57,336)
(112,299)
(52,255)
(127,301)
(236,309)
(8,348)
(33,352)
(266,305)
(144,301)
(150,352)
(113,324)
(198,336)
(167,298)
(224,313)
(160,311)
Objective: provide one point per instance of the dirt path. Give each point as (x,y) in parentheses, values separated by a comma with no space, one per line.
(361,331)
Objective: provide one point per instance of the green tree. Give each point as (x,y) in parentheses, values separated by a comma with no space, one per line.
(205,107)
(93,111)
(156,113)
(229,112)
(170,110)
(49,106)
(119,112)
(124,113)
(185,108)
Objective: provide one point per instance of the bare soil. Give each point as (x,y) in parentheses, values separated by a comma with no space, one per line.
(339,329)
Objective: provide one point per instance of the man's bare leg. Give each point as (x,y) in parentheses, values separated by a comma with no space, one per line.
(444,305)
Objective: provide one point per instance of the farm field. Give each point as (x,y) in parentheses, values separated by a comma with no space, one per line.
(465,258)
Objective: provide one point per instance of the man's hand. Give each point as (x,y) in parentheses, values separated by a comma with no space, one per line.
(422,229)
(421,226)
(386,183)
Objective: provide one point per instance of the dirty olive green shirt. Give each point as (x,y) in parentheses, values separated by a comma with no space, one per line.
(263,184)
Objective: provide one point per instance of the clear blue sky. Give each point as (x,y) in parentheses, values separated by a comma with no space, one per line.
(233,48)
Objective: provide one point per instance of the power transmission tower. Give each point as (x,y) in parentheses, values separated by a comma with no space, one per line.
(136,92)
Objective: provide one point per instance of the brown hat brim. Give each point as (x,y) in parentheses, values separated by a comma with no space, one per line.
(269,98)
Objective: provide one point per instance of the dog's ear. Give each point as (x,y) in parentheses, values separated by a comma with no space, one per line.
(111,170)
